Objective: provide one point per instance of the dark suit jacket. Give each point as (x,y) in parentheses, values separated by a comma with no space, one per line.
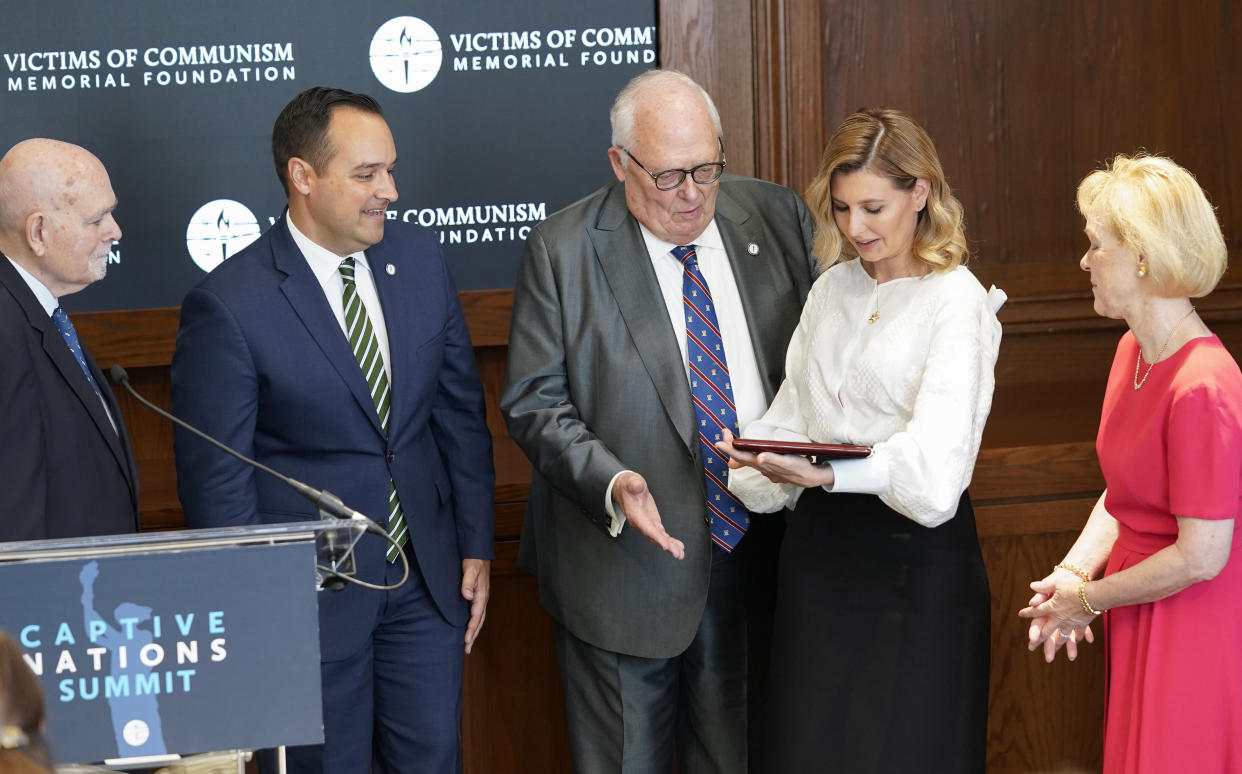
(262,364)
(597,385)
(66,472)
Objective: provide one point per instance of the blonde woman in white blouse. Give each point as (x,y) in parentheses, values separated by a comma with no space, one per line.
(880,654)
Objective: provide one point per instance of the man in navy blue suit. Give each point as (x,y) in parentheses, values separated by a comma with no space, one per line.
(334,349)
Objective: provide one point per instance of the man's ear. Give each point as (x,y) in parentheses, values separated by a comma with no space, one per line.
(35,231)
(301,175)
(618,163)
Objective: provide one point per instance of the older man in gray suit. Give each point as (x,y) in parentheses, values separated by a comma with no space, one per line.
(658,582)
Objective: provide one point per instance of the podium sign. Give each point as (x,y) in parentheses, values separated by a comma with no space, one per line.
(150,651)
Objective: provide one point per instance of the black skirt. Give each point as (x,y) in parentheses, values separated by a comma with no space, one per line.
(880,651)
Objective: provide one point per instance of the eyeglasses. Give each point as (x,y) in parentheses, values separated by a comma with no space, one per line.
(670,179)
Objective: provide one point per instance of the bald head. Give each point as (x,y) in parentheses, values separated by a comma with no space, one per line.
(56,204)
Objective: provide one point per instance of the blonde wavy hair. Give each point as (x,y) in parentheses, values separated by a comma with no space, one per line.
(888,142)
(1157,209)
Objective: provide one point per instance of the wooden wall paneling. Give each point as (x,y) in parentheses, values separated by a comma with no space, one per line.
(1012,164)
(131,338)
(1162,77)
(142,341)
(789,91)
(1056,352)
(1041,717)
(152,439)
(1031,502)
(1020,118)
(711,42)
(513,713)
(982,96)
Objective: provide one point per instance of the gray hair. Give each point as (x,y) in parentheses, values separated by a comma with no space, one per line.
(626,104)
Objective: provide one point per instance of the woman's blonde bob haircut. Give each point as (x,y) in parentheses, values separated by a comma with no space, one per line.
(1157,209)
(889,143)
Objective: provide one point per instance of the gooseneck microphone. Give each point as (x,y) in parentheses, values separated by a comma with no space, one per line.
(324,500)
(327,503)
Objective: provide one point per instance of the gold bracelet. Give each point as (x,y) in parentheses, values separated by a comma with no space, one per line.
(1082,597)
(1080,573)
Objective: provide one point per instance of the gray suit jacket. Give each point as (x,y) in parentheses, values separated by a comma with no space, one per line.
(597,385)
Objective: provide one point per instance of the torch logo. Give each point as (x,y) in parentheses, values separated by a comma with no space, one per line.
(406,54)
(218,231)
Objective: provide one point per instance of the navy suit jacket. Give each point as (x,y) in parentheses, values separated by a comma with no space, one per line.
(263,365)
(66,472)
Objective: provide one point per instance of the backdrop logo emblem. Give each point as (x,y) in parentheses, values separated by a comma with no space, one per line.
(406,54)
(218,231)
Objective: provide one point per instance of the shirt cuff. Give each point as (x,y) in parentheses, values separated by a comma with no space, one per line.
(861,476)
(617,516)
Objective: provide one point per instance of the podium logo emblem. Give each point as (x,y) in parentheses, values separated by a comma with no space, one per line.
(406,54)
(218,230)
(136,733)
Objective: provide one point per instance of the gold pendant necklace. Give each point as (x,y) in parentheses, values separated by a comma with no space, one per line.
(1140,382)
(876,314)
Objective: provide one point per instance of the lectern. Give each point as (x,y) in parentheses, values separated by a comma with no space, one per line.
(167,643)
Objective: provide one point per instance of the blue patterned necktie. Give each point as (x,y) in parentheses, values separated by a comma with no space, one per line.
(65,326)
(713,399)
(365,344)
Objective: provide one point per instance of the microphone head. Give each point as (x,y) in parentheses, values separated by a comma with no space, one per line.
(118,374)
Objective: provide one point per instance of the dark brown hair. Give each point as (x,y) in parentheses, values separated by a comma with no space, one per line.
(301,129)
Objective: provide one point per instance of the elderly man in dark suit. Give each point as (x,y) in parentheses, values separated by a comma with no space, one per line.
(334,348)
(67,466)
(647,317)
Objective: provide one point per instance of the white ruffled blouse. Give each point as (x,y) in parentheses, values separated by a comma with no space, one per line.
(915,385)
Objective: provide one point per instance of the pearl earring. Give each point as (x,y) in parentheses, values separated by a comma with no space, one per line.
(1142,270)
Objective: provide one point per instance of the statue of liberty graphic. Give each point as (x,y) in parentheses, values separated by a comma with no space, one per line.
(135,718)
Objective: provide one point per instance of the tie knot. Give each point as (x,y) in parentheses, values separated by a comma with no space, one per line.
(684,253)
(61,320)
(346,269)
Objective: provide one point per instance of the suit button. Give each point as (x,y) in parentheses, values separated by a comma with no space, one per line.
(392,456)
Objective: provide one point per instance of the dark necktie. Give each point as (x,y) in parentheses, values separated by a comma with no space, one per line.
(65,326)
(713,399)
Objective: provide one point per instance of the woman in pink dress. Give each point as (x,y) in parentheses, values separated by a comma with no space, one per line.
(1159,554)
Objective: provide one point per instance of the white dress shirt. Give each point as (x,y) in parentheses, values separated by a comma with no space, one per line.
(326,265)
(915,385)
(748,395)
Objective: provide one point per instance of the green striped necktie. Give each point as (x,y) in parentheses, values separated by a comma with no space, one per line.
(366,349)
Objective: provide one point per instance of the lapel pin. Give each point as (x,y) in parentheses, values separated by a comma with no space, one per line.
(752,248)
(390,269)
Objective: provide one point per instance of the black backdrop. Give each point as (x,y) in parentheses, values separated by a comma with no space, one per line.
(178,100)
